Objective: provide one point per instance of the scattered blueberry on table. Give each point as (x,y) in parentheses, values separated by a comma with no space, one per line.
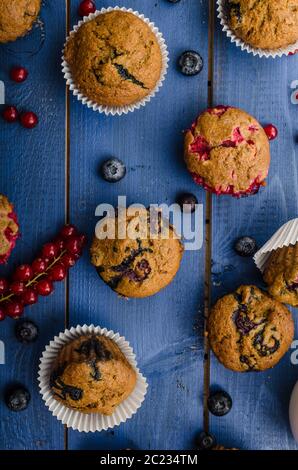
(17,398)
(173,1)
(219,403)
(205,441)
(113,170)
(190,63)
(187,202)
(26,331)
(246,246)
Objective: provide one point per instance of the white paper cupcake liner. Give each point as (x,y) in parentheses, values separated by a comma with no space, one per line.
(118,110)
(285,236)
(94,421)
(222,10)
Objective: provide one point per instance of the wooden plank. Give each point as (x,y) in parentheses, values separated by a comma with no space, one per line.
(32,176)
(163,329)
(259,418)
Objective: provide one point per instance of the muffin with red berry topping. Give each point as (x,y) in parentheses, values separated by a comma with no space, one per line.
(227,152)
(281,274)
(17,18)
(142,260)
(9,229)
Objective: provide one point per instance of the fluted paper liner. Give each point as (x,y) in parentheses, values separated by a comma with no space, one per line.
(118,110)
(94,421)
(222,9)
(285,236)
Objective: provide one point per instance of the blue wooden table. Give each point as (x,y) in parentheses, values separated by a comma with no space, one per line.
(51,175)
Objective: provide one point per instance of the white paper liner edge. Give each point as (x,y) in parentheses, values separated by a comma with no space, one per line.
(222,15)
(118,110)
(94,421)
(286,235)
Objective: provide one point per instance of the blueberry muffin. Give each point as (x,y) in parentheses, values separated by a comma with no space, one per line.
(17,18)
(92,375)
(281,274)
(266,24)
(249,331)
(9,229)
(141,263)
(227,152)
(115,59)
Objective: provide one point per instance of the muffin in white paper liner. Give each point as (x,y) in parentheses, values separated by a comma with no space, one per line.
(94,421)
(222,9)
(285,236)
(118,110)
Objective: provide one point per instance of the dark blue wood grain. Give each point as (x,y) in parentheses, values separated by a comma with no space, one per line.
(32,176)
(162,329)
(259,418)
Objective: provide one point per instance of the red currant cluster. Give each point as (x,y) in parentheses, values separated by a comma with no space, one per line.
(10,114)
(30,281)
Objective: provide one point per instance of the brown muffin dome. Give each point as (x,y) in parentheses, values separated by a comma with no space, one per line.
(92,375)
(227,151)
(248,330)
(138,267)
(17,17)
(265,24)
(115,59)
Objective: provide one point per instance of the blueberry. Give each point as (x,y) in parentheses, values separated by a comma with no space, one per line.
(246,246)
(17,399)
(187,199)
(190,63)
(205,441)
(26,331)
(113,170)
(219,403)
(173,1)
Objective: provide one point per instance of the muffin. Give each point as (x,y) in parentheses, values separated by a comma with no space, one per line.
(114,58)
(227,152)
(266,24)
(139,266)
(17,17)
(249,331)
(281,274)
(92,375)
(9,229)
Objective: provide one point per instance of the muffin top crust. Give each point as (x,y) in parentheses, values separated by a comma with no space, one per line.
(17,17)
(265,24)
(115,59)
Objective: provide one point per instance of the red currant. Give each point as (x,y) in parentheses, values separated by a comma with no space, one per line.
(49,250)
(58,272)
(10,114)
(39,265)
(73,246)
(3,285)
(29,120)
(68,231)
(14,309)
(30,297)
(83,239)
(17,287)
(68,260)
(44,287)
(271,131)
(2,314)
(23,273)
(18,74)
(86,7)
(59,242)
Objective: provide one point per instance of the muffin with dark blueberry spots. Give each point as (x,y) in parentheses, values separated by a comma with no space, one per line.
(248,330)
(144,260)
(115,59)
(281,274)
(92,375)
(17,18)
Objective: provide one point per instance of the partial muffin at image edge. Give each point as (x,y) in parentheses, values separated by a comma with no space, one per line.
(138,267)
(92,375)
(248,330)
(17,18)
(267,25)
(114,58)
(9,228)
(227,152)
